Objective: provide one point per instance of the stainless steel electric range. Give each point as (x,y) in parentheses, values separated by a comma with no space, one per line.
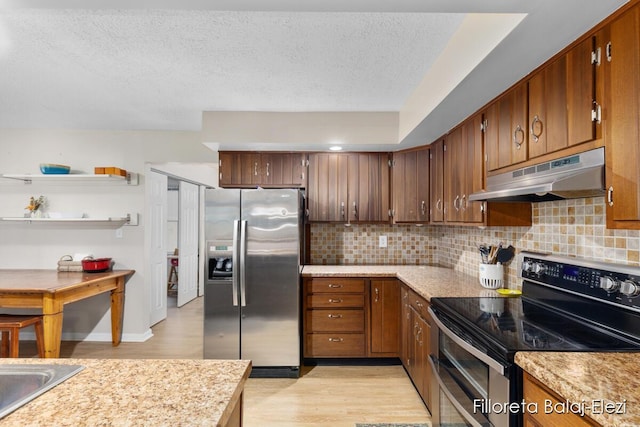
(567,304)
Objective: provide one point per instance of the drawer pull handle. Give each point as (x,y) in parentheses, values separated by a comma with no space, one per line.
(336,339)
(335,316)
(336,300)
(335,285)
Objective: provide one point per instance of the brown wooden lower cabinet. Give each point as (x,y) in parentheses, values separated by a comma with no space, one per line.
(416,344)
(368,317)
(536,392)
(334,317)
(385,317)
(351,317)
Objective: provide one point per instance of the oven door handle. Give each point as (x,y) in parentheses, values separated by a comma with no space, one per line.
(495,365)
(474,421)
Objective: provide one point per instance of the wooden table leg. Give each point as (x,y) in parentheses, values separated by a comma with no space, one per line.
(117,311)
(52,326)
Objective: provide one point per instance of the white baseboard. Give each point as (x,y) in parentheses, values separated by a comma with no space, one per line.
(94,336)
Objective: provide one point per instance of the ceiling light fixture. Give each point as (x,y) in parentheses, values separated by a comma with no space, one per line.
(335,148)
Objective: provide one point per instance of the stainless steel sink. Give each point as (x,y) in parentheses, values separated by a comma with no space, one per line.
(21,383)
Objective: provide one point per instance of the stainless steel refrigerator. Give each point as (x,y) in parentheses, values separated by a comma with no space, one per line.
(252,291)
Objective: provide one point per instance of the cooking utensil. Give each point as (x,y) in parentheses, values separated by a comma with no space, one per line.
(484,253)
(98,265)
(505,255)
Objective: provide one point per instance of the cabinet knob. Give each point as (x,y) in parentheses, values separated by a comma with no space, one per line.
(335,300)
(335,285)
(335,316)
(335,340)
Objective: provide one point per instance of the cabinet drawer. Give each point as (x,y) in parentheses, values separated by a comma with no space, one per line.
(335,301)
(419,304)
(335,321)
(333,285)
(335,345)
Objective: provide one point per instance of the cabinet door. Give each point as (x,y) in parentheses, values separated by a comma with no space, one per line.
(385,317)
(423,175)
(424,344)
(454,175)
(548,109)
(405,329)
(582,94)
(411,186)
(250,169)
(283,169)
(506,122)
(405,186)
(473,166)
(519,136)
(327,192)
(275,168)
(226,169)
(622,148)
(436,171)
(368,187)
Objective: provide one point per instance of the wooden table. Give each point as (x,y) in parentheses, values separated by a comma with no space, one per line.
(50,290)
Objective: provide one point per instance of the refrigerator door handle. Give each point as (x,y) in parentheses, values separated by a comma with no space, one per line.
(235,256)
(243,267)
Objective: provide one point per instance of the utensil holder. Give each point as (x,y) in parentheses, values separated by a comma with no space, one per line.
(491,275)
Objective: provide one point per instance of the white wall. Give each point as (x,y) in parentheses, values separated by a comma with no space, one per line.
(40,246)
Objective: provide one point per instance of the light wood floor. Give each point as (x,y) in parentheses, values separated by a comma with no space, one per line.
(324,396)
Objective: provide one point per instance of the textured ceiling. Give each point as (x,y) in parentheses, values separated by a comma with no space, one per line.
(121,65)
(161,69)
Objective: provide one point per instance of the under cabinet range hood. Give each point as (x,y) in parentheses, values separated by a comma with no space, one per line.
(571,177)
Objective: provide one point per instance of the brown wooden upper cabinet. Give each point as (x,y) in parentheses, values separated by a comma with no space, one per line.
(457,171)
(463,163)
(349,187)
(564,107)
(558,107)
(436,181)
(410,176)
(506,140)
(548,109)
(622,134)
(240,169)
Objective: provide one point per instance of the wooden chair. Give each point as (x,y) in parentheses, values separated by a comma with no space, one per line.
(10,325)
(172,280)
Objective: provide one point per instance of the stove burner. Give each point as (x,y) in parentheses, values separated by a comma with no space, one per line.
(539,338)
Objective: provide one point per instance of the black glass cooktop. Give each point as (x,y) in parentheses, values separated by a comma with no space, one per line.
(540,321)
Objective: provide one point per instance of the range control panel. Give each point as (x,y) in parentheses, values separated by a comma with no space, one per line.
(619,284)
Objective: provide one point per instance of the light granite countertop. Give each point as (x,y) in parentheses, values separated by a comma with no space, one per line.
(591,378)
(427,281)
(111,392)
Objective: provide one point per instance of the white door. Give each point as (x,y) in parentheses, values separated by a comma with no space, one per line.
(155,231)
(188,242)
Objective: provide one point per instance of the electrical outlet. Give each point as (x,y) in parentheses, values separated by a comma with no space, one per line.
(119,233)
(382,241)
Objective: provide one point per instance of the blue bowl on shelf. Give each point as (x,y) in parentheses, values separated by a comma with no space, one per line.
(53,169)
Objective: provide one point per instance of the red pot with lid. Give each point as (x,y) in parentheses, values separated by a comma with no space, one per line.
(97,265)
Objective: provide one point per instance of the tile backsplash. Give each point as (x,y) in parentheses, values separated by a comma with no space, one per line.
(574,227)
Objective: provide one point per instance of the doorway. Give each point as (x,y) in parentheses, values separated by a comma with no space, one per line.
(175,215)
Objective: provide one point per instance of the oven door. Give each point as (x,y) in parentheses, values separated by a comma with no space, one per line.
(466,382)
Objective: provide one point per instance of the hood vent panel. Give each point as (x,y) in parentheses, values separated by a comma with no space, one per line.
(577,176)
